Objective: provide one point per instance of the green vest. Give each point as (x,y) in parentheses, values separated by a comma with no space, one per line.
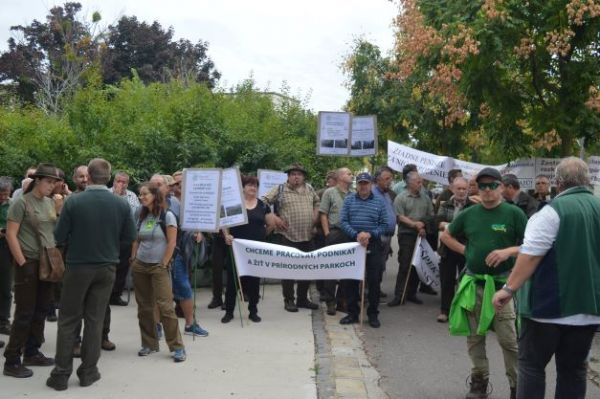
(567,280)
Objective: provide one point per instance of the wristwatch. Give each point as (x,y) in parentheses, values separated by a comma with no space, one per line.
(506,288)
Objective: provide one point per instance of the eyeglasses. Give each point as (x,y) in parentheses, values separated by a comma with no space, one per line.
(492,186)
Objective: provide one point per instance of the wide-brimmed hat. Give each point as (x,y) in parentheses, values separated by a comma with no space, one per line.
(46,170)
(296,166)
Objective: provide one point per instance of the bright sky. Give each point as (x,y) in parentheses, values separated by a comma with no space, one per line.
(301,43)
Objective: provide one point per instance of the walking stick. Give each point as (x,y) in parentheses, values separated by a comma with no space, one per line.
(195,256)
(362,293)
(410,266)
(238,286)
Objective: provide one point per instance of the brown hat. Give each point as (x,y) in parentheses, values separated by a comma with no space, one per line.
(296,166)
(46,170)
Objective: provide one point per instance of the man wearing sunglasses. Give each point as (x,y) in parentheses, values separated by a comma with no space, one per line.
(493,230)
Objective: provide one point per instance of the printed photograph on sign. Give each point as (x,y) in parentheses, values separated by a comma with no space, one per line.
(363,136)
(333,135)
(233,211)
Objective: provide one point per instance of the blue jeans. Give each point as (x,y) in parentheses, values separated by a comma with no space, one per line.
(570,345)
(182,289)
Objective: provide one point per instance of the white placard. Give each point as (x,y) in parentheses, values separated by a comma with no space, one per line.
(233,208)
(201,199)
(427,263)
(262,259)
(267,179)
(334,132)
(363,140)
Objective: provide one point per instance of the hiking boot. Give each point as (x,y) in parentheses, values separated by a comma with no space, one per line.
(195,330)
(38,360)
(145,351)
(374,321)
(290,306)
(254,317)
(215,303)
(86,381)
(107,345)
(179,355)
(59,383)
(331,308)
(17,371)
(227,318)
(306,304)
(479,386)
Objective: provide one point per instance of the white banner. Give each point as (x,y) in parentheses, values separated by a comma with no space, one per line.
(427,263)
(262,259)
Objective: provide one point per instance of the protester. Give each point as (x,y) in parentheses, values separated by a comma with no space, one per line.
(177,178)
(80,178)
(6,265)
(382,189)
(296,207)
(513,195)
(399,187)
(319,237)
(451,262)
(474,190)
(119,188)
(560,304)
(447,192)
(330,207)
(162,182)
(31,219)
(152,253)
(414,211)
(493,231)
(93,224)
(218,257)
(260,224)
(26,180)
(542,191)
(363,218)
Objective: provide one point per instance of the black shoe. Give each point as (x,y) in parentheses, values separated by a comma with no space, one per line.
(117,301)
(414,300)
(425,289)
(382,294)
(254,317)
(51,317)
(5,328)
(17,371)
(227,318)
(374,321)
(290,306)
(331,308)
(58,383)
(350,319)
(306,304)
(86,381)
(38,360)
(395,302)
(215,303)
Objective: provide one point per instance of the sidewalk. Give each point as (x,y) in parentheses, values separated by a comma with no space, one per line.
(272,359)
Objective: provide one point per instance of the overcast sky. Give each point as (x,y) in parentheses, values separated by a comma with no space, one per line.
(301,43)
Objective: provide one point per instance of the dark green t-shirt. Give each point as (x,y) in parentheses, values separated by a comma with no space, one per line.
(487,230)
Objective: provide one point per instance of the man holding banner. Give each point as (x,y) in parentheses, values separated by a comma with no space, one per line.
(493,230)
(364,219)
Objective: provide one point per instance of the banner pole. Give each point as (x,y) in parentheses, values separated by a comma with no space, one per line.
(410,266)
(238,286)
(195,266)
(362,293)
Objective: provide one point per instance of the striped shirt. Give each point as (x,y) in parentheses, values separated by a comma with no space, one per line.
(368,215)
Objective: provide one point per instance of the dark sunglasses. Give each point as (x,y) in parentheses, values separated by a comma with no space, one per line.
(492,186)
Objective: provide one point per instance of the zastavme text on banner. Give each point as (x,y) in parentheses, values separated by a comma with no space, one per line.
(261,259)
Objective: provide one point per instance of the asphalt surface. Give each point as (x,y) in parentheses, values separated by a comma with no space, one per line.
(418,359)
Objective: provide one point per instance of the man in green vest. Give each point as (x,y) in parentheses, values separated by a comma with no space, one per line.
(492,229)
(557,274)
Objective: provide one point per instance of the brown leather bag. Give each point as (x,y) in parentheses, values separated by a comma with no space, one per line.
(52,265)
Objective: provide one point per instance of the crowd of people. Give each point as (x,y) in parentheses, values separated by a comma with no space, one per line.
(479,226)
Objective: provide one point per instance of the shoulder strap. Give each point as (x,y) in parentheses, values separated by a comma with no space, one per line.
(162,221)
(279,200)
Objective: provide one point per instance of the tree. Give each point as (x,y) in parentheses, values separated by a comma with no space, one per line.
(151,51)
(522,75)
(50,59)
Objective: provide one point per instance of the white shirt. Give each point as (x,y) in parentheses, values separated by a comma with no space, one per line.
(540,234)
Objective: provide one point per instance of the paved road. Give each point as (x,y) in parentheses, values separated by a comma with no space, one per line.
(418,359)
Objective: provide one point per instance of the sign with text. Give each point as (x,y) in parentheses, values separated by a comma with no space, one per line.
(262,259)
(268,179)
(427,263)
(334,130)
(363,140)
(201,199)
(233,208)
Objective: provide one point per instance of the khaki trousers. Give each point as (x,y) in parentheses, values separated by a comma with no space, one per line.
(504,326)
(152,284)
